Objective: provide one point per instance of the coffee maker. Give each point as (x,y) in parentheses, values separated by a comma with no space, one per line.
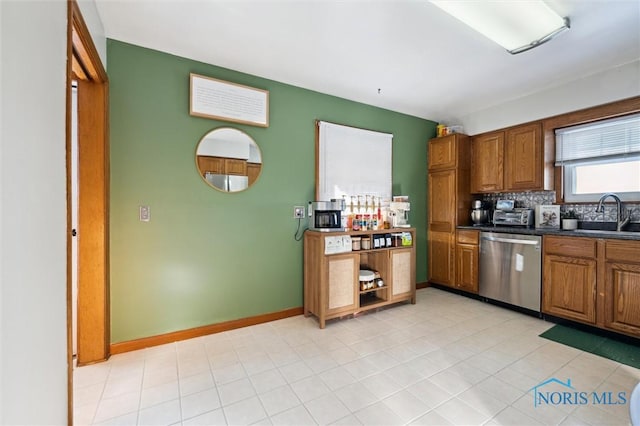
(480,213)
(399,211)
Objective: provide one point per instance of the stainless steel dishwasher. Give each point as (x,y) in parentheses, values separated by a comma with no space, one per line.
(510,268)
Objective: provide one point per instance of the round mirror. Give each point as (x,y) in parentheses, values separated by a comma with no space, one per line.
(228,159)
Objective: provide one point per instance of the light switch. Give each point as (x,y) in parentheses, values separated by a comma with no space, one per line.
(145,213)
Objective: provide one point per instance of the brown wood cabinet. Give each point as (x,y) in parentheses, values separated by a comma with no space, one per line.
(487,163)
(253,171)
(509,160)
(622,286)
(331,281)
(442,200)
(448,203)
(523,158)
(441,246)
(569,278)
(467,257)
(442,153)
(210,164)
(222,165)
(234,166)
(594,281)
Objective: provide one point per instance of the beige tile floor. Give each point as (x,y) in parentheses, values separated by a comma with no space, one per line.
(446,360)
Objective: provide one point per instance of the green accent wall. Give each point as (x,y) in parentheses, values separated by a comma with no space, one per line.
(206,257)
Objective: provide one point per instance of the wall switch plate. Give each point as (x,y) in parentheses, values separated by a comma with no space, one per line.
(298,212)
(144,213)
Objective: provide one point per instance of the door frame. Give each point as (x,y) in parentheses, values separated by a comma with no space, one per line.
(84,65)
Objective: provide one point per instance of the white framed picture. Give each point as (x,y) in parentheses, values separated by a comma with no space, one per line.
(223,100)
(548,217)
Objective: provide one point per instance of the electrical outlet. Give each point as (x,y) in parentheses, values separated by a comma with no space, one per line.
(298,212)
(144,213)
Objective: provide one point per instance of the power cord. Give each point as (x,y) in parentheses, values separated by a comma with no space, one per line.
(295,236)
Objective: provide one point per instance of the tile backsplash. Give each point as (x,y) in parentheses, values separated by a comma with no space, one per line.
(586,212)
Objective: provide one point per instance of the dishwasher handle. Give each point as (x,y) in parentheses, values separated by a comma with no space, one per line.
(511,241)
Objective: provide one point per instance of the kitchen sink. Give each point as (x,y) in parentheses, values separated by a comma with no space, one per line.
(607,227)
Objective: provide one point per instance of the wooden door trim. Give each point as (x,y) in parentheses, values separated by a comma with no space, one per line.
(83,63)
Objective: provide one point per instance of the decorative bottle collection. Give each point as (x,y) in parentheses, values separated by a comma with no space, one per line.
(364,213)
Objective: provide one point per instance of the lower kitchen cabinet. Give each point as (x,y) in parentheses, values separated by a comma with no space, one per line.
(331,280)
(570,288)
(594,281)
(569,278)
(441,246)
(622,286)
(467,257)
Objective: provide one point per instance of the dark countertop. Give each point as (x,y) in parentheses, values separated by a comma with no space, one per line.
(593,233)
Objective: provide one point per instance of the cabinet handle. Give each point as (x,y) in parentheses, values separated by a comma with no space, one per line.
(511,241)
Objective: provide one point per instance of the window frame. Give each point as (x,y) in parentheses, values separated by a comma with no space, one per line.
(583,116)
(569,180)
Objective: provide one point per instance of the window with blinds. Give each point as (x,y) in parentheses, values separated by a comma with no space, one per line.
(600,157)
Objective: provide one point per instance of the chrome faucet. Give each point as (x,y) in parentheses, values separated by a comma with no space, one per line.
(621,221)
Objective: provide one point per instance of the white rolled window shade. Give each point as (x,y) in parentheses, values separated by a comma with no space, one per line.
(353,161)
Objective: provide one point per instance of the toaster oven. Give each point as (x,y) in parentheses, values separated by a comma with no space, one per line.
(515,217)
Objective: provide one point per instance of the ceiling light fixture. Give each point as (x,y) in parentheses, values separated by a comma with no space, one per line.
(518,26)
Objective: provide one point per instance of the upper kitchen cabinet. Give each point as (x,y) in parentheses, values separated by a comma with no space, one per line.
(487,162)
(443,152)
(523,158)
(509,160)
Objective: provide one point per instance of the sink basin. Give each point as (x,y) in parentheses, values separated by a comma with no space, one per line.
(606,227)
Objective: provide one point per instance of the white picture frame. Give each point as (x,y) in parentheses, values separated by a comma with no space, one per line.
(226,101)
(547,217)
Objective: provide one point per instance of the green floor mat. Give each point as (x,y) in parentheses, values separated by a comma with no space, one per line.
(624,353)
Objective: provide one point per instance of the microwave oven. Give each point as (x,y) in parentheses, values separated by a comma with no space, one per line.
(325,216)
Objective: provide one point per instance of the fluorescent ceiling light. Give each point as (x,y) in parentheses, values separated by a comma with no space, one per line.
(517,25)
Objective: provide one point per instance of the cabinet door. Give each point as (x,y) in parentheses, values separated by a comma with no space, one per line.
(233,166)
(467,267)
(487,162)
(442,196)
(342,289)
(569,288)
(441,258)
(402,272)
(253,171)
(523,158)
(622,298)
(210,164)
(442,153)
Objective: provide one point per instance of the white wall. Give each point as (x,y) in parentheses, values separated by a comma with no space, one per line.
(614,84)
(94,24)
(33,304)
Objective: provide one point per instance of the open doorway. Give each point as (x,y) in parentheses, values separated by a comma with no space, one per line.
(88,183)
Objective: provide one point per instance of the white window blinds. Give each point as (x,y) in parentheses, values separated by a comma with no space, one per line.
(615,137)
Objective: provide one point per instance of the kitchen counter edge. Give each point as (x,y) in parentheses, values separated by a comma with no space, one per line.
(622,235)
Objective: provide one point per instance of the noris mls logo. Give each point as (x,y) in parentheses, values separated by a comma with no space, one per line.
(557,392)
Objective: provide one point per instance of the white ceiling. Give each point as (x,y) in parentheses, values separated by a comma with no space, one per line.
(425,62)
